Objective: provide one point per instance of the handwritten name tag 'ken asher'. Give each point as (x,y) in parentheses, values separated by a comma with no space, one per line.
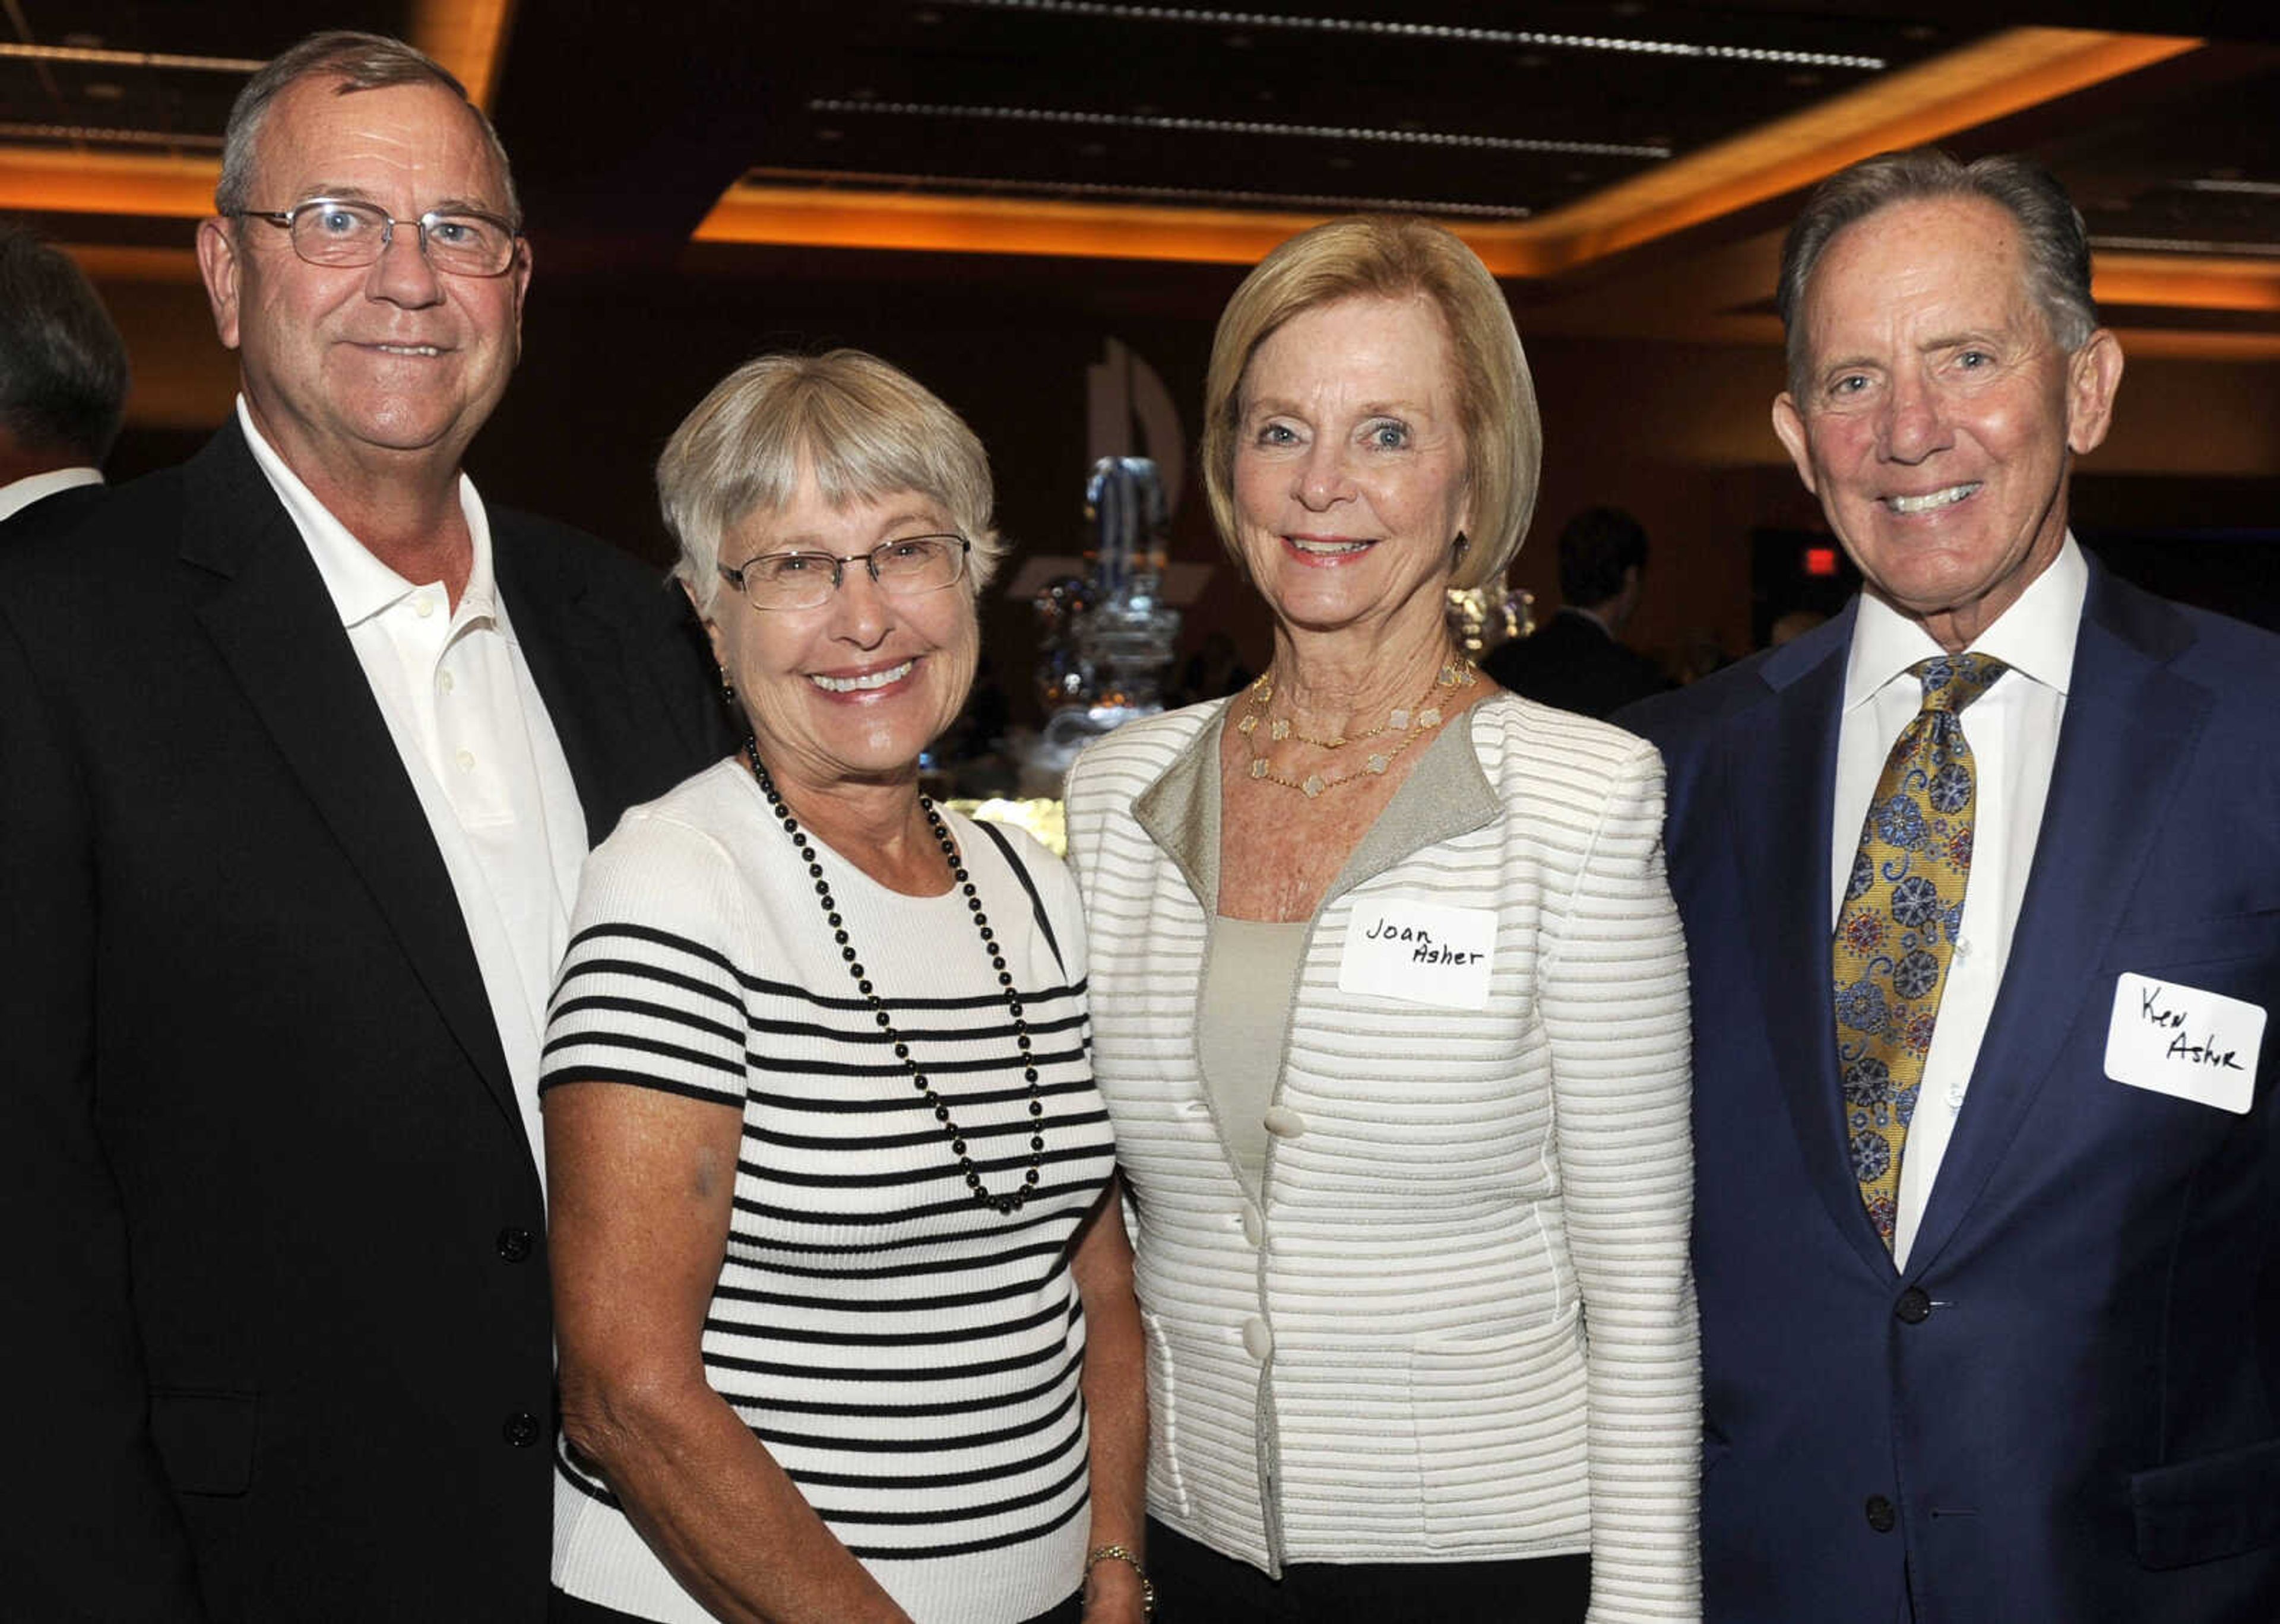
(2179,1040)
(1421,952)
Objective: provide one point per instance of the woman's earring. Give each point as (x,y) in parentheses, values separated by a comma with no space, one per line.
(1463,541)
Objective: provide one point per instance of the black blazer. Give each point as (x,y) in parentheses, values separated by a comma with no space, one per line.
(54,514)
(1570,662)
(275,1263)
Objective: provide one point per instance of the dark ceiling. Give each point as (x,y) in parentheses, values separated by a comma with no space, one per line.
(1466,115)
(164,106)
(628,123)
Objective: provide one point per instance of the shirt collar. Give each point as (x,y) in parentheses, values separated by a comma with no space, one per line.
(359,584)
(17,495)
(2035,636)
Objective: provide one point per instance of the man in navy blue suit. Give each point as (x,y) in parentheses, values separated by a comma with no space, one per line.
(1989,1248)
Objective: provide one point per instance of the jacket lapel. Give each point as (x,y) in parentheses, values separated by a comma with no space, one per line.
(577,660)
(1780,772)
(629,708)
(1180,810)
(1446,795)
(2130,728)
(268,613)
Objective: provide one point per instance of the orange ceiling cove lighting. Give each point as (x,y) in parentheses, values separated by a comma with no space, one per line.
(2185,281)
(1977,84)
(468,37)
(47,178)
(799,217)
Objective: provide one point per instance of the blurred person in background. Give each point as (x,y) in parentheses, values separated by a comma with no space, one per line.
(1576,660)
(63,389)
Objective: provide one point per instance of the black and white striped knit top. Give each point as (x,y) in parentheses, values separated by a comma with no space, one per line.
(910,1357)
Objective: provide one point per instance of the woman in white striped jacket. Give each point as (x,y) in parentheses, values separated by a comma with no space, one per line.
(1390,1009)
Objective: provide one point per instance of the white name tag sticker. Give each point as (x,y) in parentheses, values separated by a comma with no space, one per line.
(1420,952)
(2179,1040)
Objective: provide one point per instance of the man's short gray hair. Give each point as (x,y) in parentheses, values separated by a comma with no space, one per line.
(2055,242)
(62,366)
(860,428)
(356,62)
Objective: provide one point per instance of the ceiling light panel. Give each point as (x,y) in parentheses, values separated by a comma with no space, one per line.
(1252,128)
(1442,102)
(1435,32)
(2206,183)
(1005,186)
(129,76)
(151,60)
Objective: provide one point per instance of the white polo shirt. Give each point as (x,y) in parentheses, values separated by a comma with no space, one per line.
(480,750)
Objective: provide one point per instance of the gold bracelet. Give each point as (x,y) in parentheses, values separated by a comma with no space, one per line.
(1118,1553)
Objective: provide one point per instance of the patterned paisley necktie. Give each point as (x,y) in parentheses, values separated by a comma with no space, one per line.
(1896,932)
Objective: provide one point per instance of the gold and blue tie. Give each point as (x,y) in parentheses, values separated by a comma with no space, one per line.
(1896,930)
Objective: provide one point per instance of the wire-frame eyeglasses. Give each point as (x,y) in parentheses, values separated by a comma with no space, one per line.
(342,233)
(904,567)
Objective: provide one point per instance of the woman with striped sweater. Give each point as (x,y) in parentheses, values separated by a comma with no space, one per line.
(844,1297)
(1390,1009)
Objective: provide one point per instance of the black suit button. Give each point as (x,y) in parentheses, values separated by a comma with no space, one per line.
(1882,1515)
(1914,1307)
(521,1429)
(514,1244)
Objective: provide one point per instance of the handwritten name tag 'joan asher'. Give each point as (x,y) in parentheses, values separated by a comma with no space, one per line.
(2179,1040)
(1421,952)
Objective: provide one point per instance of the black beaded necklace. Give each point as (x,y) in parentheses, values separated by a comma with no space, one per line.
(1020,1196)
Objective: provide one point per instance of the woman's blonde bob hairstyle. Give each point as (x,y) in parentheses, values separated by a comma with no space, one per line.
(861,428)
(1393,256)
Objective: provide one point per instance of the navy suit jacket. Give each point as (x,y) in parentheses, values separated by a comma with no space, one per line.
(2067,1409)
(274,1260)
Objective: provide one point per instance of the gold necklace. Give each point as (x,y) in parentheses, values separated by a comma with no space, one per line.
(1410,720)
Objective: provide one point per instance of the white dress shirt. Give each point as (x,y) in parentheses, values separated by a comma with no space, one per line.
(479,748)
(17,495)
(2013,729)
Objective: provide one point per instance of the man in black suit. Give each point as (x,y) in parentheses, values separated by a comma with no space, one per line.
(304,745)
(62,387)
(1576,660)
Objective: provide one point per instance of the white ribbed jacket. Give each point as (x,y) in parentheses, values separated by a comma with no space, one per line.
(1460,1326)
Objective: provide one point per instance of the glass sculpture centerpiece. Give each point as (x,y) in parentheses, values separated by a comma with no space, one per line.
(1109,639)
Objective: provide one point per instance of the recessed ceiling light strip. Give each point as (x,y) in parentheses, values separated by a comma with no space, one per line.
(1235,126)
(91,136)
(1385,29)
(2175,245)
(827,178)
(129,59)
(2247,189)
